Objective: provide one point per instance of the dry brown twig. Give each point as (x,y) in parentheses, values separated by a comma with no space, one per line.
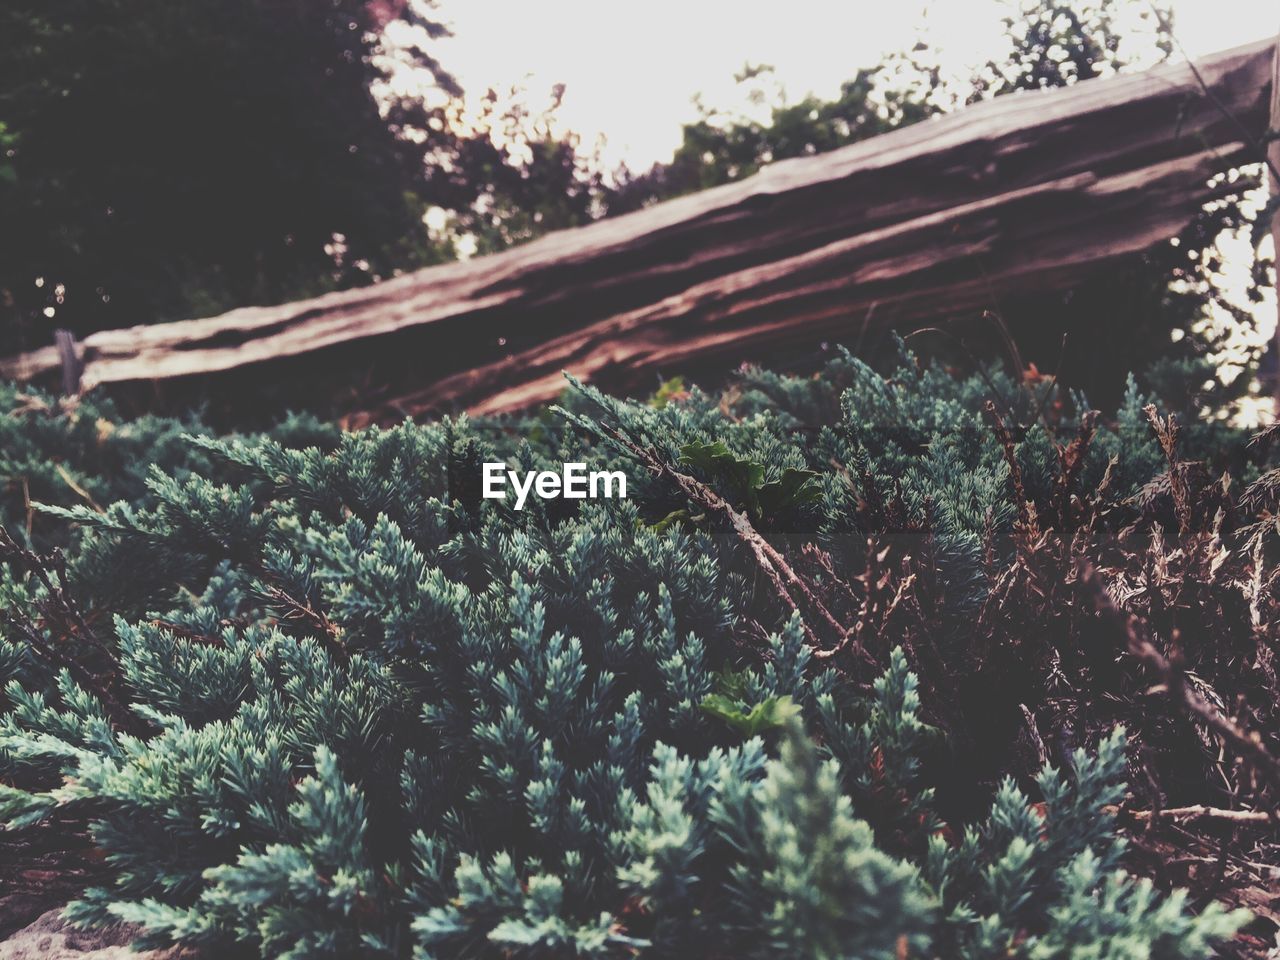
(1248,744)
(1026,509)
(1166,431)
(68,632)
(780,574)
(1071,461)
(302,612)
(1202,812)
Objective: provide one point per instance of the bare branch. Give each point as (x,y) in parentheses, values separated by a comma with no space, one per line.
(1248,744)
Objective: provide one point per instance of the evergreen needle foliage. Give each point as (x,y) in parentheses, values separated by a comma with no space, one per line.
(314,697)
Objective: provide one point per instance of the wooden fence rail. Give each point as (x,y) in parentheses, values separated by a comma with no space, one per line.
(1026,192)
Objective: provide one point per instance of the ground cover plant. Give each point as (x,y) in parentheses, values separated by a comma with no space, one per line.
(912,664)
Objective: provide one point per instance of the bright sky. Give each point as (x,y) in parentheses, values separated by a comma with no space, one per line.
(632,69)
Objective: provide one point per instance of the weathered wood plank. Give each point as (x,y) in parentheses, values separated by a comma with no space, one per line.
(1028,191)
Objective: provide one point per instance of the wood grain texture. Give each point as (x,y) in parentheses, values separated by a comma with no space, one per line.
(1027,192)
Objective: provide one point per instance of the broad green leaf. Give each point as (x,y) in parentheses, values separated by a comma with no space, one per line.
(770,714)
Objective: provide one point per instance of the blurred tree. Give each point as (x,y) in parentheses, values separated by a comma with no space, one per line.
(177,158)
(1051,43)
(1047,43)
(517,175)
(722,146)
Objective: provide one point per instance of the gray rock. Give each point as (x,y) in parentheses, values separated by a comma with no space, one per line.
(51,938)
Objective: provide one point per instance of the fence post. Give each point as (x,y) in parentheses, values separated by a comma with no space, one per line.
(65,341)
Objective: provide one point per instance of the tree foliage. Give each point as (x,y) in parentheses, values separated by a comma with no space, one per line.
(178,159)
